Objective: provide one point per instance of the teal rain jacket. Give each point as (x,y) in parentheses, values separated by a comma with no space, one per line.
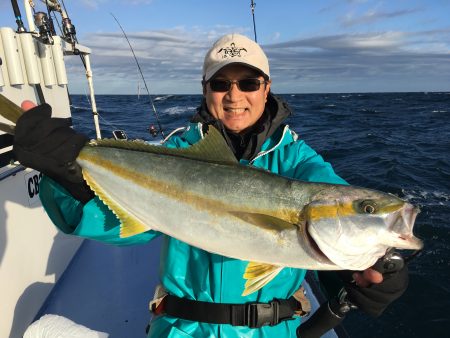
(190,272)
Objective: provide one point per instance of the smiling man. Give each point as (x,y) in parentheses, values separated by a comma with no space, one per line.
(236,82)
(201,293)
(237,96)
(237,99)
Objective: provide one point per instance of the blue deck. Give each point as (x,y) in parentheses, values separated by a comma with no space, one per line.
(92,293)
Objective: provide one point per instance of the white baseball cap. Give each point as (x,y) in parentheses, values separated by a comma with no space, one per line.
(234,48)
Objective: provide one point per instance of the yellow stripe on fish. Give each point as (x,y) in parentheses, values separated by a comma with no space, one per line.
(339,210)
(317,212)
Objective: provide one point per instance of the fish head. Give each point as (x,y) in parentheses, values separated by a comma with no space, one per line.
(354,227)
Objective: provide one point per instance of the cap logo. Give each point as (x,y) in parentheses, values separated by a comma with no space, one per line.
(231,51)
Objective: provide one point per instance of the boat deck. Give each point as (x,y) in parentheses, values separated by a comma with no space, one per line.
(93,294)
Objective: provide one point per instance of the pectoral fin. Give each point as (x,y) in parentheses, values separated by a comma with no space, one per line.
(130,225)
(267,222)
(258,275)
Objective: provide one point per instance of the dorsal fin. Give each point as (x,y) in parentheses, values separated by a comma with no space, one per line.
(213,148)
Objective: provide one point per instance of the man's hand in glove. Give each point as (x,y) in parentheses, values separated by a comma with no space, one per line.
(372,292)
(51,146)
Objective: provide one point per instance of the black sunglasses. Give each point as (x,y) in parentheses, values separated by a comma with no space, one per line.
(244,85)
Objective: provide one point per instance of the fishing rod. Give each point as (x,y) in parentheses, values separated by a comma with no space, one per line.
(21,30)
(252,6)
(152,131)
(68,33)
(18,16)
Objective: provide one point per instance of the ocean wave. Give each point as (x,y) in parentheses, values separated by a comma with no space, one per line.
(179,110)
(163,98)
(74,107)
(426,197)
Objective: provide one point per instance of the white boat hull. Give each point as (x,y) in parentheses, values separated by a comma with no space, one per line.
(33,254)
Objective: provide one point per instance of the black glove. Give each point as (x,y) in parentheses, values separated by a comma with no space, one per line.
(51,146)
(374,299)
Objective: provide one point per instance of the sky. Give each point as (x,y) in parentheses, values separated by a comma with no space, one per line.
(313,46)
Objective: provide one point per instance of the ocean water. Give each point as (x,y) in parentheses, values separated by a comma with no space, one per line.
(394,142)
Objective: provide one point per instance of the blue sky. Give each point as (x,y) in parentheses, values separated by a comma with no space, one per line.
(313,46)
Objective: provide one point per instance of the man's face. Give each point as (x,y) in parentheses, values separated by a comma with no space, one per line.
(238,110)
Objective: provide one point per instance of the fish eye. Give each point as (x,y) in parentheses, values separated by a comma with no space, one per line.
(368,207)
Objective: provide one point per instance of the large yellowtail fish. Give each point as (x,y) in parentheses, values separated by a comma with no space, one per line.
(202,196)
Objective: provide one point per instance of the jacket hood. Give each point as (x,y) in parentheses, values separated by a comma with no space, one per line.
(247,145)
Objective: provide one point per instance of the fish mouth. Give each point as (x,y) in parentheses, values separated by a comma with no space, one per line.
(401,223)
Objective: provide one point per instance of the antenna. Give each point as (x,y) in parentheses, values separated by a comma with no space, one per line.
(252,5)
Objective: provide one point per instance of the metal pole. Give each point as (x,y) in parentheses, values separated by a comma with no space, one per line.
(91,92)
(29,14)
(252,5)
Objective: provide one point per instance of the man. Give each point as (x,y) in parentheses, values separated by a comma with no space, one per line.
(204,290)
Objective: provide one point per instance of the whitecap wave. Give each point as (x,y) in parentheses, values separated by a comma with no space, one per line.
(162,98)
(426,197)
(80,107)
(179,110)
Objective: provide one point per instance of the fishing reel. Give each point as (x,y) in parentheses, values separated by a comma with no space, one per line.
(391,262)
(45,26)
(68,29)
(70,34)
(332,313)
(152,130)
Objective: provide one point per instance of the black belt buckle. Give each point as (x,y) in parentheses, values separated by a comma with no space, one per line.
(260,314)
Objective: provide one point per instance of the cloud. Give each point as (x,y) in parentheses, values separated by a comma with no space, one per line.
(172,60)
(366,42)
(93,4)
(391,61)
(168,58)
(137,2)
(275,36)
(372,16)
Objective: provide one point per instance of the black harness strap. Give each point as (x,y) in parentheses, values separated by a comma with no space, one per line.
(253,315)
